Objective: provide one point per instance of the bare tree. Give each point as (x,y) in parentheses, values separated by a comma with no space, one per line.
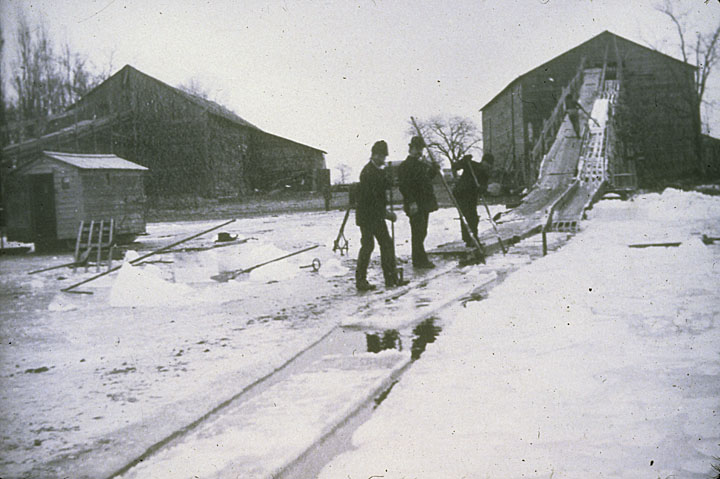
(3,113)
(449,138)
(195,87)
(45,82)
(700,50)
(344,169)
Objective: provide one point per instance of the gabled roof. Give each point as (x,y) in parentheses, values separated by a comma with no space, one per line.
(211,107)
(208,105)
(605,33)
(94,161)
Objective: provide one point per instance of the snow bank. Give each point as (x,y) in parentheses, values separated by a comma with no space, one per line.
(598,360)
(144,286)
(671,205)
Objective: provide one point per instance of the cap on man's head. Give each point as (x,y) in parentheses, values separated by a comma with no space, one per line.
(417,142)
(488,157)
(380,148)
(466,158)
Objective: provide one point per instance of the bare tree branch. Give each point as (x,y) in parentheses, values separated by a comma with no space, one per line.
(451,138)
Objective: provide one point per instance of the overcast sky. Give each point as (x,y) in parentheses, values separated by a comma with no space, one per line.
(340,75)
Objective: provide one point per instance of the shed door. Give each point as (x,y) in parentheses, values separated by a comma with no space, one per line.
(42,207)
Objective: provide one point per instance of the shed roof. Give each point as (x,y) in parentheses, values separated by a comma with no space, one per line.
(94,161)
(603,34)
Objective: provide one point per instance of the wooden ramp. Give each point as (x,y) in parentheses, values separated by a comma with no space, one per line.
(558,172)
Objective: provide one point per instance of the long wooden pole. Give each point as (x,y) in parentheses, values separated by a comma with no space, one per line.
(492,222)
(140,258)
(478,247)
(222,277)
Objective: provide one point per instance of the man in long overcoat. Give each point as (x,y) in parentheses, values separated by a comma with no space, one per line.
(370,215)
(415,181)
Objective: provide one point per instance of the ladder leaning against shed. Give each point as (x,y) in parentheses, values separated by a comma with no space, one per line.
(94,237)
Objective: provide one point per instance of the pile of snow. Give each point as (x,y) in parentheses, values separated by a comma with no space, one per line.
(597,360)
(332,267)
(62,302)
(195,267)
(279,271)
(144,286)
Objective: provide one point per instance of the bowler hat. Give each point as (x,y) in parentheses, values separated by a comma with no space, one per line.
(417,142)
(380,148)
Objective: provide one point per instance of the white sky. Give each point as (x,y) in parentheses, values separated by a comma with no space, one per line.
(341,75)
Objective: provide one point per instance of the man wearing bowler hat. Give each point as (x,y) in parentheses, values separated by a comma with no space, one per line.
(415,180)
(370,215)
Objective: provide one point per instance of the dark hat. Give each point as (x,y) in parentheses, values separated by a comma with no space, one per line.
(417,141)
(380,148)
(488,157)
(466,158)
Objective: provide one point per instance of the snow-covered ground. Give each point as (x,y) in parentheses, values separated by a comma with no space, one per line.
(88,382)
(599,360)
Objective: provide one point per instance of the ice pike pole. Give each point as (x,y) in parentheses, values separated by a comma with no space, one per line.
(479,250)
(487,209)
(137,260)
(228,275)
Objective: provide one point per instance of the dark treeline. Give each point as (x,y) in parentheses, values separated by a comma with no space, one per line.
(44,79)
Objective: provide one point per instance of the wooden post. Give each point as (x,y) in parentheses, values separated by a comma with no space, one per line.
(98,256)
(89,242)
(77,245)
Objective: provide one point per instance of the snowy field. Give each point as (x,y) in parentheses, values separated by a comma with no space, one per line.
(88,382)
(599,360)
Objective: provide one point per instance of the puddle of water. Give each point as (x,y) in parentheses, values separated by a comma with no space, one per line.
(424,333)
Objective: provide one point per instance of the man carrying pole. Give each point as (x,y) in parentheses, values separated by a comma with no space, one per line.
(370,215)
(415,181)
(472,183)
(478,249)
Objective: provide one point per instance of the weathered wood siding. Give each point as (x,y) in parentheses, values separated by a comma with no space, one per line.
(658,124)
(659,121)
(192,147)
(16,202)
(68,194)
(504,135)
(276,162)
(227,151)
(117,194)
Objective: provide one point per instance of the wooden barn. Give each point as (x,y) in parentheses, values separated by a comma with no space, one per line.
(49,196)
(658,116)
(192,146)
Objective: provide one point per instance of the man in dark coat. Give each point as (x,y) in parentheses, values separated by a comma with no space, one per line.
(415,181)
(473,182)
(370,215)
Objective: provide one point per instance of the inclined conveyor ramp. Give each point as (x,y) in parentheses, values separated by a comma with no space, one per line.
(591,179)
(559,167)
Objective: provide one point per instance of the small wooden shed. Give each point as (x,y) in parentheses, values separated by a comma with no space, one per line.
(48,197)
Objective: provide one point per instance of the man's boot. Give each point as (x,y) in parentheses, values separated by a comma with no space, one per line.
(363,285)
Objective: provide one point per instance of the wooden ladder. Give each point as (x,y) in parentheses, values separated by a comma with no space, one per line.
(93,237)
